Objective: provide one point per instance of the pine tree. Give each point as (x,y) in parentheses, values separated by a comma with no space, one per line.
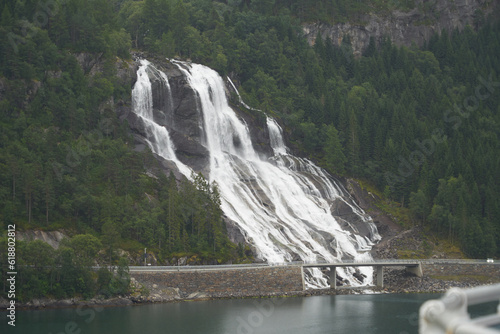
(333,152)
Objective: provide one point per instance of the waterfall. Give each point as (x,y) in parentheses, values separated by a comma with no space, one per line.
(157,136)
(276,137)
(239,96)
(282,204)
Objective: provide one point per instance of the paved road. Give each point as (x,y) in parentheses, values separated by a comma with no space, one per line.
(347,263)
(191,268)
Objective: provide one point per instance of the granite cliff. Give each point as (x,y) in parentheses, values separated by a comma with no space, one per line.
(406,28)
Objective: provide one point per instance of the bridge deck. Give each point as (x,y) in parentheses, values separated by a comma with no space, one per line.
(363,264)
(400,263)
(384,263)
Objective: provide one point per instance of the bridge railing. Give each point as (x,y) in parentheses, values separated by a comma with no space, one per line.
(374,262)
(212,267)
(450,315)
(312,263)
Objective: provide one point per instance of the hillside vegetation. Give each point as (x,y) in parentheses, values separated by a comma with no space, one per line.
(421,124)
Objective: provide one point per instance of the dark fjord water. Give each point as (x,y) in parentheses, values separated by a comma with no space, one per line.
(387,314)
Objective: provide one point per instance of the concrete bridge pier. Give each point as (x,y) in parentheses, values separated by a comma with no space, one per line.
(380,276)
(415,270)
(333,278)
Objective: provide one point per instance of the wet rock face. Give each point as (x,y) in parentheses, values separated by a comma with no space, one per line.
(348,219)
(234,233)
(179,111)
(186,128)
(258,130)
(180,114)
(405,28)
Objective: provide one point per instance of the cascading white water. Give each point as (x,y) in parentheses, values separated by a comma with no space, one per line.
(276,138)
(157,136)
(282,205)
(239,96)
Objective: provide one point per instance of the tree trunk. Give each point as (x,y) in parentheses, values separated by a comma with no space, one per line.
(29,209)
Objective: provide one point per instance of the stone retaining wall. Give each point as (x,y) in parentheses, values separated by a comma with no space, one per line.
(484,269)
(227,282)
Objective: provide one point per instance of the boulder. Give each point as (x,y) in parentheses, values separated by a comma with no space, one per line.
(340,208)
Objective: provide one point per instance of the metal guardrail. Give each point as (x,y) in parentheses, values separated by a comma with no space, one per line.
(430,261)
(403,262)
(212,267)
(197,267)
(449,314)
(460,261)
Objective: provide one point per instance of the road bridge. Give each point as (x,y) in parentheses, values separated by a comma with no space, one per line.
(412,266)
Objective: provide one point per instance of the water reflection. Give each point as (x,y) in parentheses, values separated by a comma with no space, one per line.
(323,314)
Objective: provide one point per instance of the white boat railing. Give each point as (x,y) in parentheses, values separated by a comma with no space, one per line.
(450,314)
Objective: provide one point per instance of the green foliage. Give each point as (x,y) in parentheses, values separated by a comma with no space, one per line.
(419,205)
(85,247)
(62,273)
(65,272)
(110,284)
(394,116)
(333,151)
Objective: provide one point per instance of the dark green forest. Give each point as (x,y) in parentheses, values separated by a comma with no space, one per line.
(421,124)
(66,272)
